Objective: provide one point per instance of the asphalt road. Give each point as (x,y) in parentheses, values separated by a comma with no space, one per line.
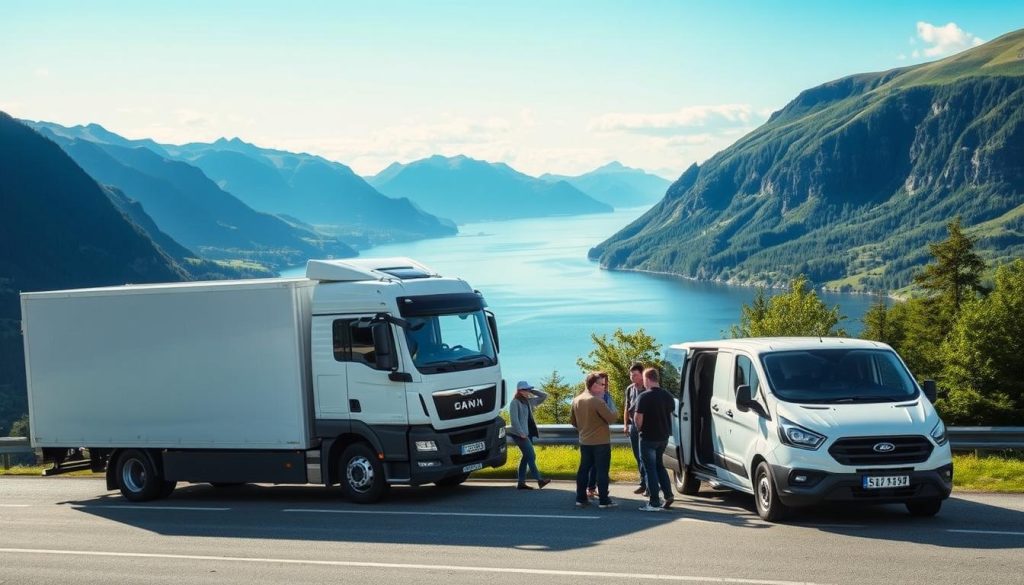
(71,530)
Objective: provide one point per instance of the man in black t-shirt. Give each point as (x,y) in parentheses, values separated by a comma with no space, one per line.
(654,420)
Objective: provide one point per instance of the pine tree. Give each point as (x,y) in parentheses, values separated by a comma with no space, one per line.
(955,276)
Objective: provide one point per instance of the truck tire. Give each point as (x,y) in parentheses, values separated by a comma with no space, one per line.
(138,479)
(361,474)
(686,483)
(766,496)
(452,481)
(929,507)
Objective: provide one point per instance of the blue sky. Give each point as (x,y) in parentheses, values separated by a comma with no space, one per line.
(544,86)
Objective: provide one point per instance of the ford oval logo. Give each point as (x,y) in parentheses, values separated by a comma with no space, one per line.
(884,447)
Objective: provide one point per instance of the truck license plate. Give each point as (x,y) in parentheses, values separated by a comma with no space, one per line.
(473,447)
(472,467)
(872,482)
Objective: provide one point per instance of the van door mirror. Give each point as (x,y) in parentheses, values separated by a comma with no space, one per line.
(383,347)
(930,390)
(745,402)
(492,323)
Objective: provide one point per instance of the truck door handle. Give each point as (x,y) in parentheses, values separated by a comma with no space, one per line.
(353,406)
(714,407)
(728,413)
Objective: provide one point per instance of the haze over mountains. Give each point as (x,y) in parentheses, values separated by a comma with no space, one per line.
(617,185)
(466,190)
(851,180)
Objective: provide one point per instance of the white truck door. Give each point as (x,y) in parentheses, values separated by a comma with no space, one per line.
(330,371)
(373,397)
(744,427)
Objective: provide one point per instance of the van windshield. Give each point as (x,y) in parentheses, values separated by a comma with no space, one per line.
(838,375)
(447,342)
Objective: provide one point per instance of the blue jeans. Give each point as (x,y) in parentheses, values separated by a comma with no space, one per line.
(599,458)
(657,475)
(529,459)
(634,442)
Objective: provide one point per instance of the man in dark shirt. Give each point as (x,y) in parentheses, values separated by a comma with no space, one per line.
(633,391)
(654,420)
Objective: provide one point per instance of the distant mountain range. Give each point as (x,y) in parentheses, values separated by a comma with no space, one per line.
(465,189)
(851,180)
(617,185)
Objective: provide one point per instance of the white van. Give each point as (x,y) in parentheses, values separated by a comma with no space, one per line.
(802,421)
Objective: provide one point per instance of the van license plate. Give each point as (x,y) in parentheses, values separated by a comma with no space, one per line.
(873,482)
(473,447)
(473,467)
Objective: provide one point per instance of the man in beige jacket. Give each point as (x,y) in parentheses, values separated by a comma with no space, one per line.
(591,417)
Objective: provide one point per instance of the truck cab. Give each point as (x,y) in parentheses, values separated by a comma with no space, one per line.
(802,421)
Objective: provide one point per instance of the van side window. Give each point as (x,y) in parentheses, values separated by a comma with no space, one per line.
(353,342)
(746,374)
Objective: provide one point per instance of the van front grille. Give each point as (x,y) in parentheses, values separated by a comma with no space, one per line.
(859,451)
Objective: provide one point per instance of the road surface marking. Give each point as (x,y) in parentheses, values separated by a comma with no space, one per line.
(130,507)
(987,532)
(409,566)
(14,505)
(475,514)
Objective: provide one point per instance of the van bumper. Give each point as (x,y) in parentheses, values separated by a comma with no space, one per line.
(824,487)
(449,459)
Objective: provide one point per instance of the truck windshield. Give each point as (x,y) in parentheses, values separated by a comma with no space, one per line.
(447,342)
(838,375)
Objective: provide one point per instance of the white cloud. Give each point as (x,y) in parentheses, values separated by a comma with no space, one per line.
(688,120)
(944,40)
(41,73)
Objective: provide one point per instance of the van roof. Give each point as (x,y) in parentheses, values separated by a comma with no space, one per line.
(759,345)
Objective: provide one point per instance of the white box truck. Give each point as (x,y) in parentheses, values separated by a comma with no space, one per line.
(367,373)
(802,421)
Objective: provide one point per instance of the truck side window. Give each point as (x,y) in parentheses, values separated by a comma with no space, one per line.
(746,374)
(353,342)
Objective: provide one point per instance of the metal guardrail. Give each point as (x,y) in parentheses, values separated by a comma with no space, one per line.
(13,446)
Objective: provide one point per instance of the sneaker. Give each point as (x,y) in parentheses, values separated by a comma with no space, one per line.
(582,504)
(523,486)
(650,508)
(640,490)
(608,504)
(668,503)
(542,483)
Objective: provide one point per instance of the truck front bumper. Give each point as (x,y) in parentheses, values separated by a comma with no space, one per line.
(819,487)
(458,451)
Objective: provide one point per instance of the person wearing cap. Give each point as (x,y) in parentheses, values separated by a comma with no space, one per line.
(524,429)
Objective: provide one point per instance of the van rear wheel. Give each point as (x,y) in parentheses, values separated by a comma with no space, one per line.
(766,496)
(362,474)
(686,482)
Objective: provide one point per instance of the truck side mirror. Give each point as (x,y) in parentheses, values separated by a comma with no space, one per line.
(930,390)
(492,323)
(745,402)
(383,347)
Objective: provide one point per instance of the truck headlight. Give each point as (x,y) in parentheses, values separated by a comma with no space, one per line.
(939,434)
(426,446)
(797,436)
(501,432)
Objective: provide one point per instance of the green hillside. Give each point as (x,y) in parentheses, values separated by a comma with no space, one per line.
(850,181)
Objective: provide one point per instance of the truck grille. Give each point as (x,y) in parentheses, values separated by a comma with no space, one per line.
(862,450)
(460,404)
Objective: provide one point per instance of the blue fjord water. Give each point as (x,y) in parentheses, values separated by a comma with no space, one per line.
(549,298)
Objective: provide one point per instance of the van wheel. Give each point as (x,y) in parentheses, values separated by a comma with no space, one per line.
(929,507)
(452,481)
(686,482)
(769,507)
(362,474)
(138,479)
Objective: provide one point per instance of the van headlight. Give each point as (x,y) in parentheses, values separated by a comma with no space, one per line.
(797,436)
(939,434)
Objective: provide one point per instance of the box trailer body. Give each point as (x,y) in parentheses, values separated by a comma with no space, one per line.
(325,379)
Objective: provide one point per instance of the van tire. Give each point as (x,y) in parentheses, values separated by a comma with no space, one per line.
(138,479)
(452,480)
(686,482)
(361,474)
(928,507)
(766,495)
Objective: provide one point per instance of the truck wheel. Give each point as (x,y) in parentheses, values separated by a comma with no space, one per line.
(686,483)
(929,507)
(452,481)
(138,479)
(769,507)
(362,475)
